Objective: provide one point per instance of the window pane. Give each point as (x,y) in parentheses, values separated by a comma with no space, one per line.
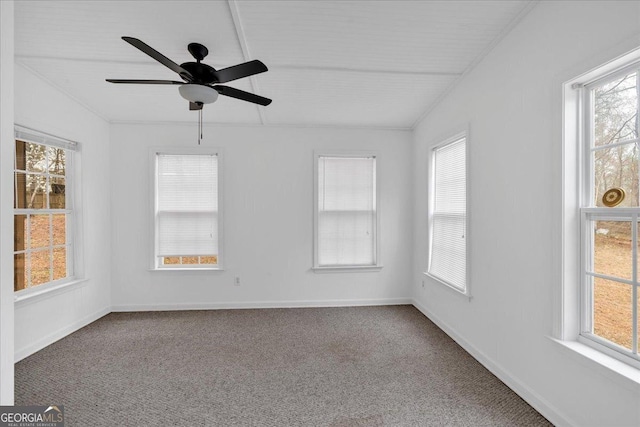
(171,260)
(33,195)
(612,311)
(449,250)
(20,232)
(56,158)
(59,263)
(39,236)
(612,249)
(57,192)
(21,155)
(189,233)
(20,279)
(450,178)
(615,110)
(20,191)
(213,259)
(40,267)
(616,167)
(36,157)
(346,183)
(59,229)
(190,260)
(346,238)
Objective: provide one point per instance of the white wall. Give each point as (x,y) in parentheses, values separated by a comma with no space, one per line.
(40,321)
(6,207)
(268,219)
(512,104)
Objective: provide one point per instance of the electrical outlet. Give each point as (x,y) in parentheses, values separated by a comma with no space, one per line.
(423,284)
(236,282)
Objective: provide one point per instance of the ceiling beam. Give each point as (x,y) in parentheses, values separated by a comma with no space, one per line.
(242,39)
(271,66)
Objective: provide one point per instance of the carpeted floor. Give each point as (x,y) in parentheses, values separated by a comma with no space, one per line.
(356,366)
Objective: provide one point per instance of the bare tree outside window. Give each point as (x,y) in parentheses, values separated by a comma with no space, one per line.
(615,156)
(41,215)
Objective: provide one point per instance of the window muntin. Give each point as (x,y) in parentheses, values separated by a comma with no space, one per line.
(448,214)
(346,226)
(43,214)
(610,285)
(187,220)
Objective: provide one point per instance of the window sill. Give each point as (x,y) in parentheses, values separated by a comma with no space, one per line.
(46,291)
(186,269)
(610,367)
(348,269)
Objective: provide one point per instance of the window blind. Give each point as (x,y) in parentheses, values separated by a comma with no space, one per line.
(448,221)
(187,205)
(346,229)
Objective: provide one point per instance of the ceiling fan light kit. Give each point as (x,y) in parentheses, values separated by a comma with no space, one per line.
(198,94)
(201,81)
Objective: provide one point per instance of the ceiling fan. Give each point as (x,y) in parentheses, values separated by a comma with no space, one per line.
(200,83)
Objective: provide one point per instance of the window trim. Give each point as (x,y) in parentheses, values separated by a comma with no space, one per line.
(153,234)
(73,238)
(455,137)
(570,300)
(316,267)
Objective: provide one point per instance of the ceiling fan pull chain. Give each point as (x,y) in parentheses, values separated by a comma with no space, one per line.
(199,126)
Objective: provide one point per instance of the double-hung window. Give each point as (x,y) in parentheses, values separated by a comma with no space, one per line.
(610,210)
(43,210)
(346,213)
(448,214)
(187,215)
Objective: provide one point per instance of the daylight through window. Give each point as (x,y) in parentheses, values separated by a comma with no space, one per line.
(346,217)
(187,211)
(610,296)
(448,214)
(43,214)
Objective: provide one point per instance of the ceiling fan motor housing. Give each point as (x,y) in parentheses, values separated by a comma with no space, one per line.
(202,73)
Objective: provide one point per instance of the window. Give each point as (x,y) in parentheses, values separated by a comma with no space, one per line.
(186,210)
(43,210)
(346,215)
(448,214)
(610,280)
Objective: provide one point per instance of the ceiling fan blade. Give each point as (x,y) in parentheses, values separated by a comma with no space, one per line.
(240,94)
(146,82)
(158,57)
(195,106)
(241,70)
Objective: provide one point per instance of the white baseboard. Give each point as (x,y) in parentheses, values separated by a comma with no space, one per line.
(59,334)
(261,304)
(549,411)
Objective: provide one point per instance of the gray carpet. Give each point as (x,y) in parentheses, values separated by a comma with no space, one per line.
(356,366)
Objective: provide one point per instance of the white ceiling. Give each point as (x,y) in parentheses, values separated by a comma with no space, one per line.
(331,63)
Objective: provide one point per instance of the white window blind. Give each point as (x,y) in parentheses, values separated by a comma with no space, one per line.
(346,228)
(448,220)
(187,205)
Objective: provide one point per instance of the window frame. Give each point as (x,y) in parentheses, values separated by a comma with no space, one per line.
(587,212)
(153,232)
(456,137)
(377,266)
(72,210)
